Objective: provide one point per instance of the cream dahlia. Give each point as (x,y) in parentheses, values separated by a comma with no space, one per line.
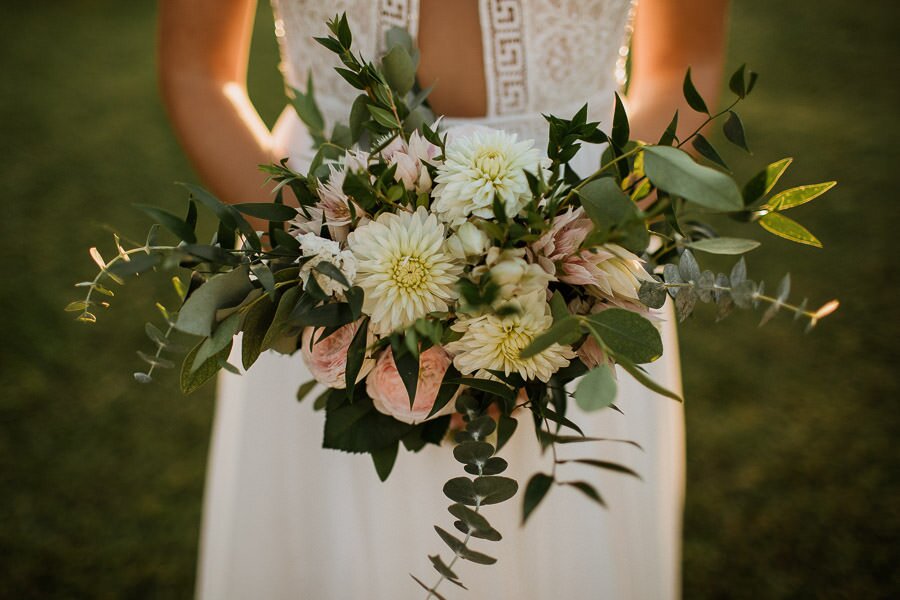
(479,167)
(404,268)
(494,343)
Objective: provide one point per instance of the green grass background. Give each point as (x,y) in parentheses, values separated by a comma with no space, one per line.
(792,461)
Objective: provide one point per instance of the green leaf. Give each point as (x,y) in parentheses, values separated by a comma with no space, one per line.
(724,245)
(586,489)
(328,315)
(286,304)
(356,356)
(789,229)
(506,427)
(443,569)
(646,381)
(256,324)
(191,380)
(384,459)
(305,389)
(268,211)
(612,211)
(693,97)
(472,523)
(798,195)
(485,385)
(627,334)
(493,489)
(399,70)
(602,464)
(462,490)
(359,114)
(307,108)
(198,313)
(737,83)
(473,453)
(430,591)
(358,427)
(264,275)
(563,331)
(674,171)
(139,263)
(221,337)
(329,270)
(228,216)
(556,438)
(669,135)
(535,491)
(383,117)
(734,131)
(707,151)
(596,390)
(460,548)
(763,182)
(621,130)
(181,229)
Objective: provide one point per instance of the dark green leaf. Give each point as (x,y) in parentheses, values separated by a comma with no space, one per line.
(586,489)
(473,453)
(693,97)
(621,130)
(602,464)
(181,229)
(506,426)
(627,334)
(286,304)
(537,488)
(329,270)
(197,315)
(256,323)
(706,150)
(383,117)
(476,523)
(459,548)
(384,459)
(307,108)
(485,385)
(763,182)
(356,355)
(669,135)
(493,489)
(646,381)
(358,427)
(734,131)
(556,438)
(305,389)
(461,489)
(190,381)
(139,263)
(493,466)
(222,336)
(441,568)
(268,211)
(737,83)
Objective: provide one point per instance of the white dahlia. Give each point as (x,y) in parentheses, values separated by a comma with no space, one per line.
(478,167)
(404,268)
(490,342)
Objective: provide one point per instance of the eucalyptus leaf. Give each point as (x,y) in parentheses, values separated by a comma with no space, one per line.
(197,315)
(493,489)
(462,490)
(627,334)
(596,390)
(674,171)
(222,336)
(724,245)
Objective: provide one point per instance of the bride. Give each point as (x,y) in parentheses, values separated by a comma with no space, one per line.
(284,518)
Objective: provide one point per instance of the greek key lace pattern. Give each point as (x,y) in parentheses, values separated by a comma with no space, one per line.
(539,55)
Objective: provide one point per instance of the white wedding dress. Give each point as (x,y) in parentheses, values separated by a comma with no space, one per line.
(284,518)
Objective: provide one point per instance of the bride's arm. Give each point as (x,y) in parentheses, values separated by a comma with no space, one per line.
(669,37)
(203,51)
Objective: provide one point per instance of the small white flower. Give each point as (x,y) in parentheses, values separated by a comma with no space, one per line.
(493,343)
(479,167)
(468,243)
(323,250)
(514,275)
(404,268)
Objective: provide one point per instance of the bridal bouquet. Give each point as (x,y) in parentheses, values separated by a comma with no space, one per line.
(422,272)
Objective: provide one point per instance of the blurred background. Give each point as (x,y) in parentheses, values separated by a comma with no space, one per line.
(793,472)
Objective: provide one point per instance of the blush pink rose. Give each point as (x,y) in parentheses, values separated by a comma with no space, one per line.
(327,358)
(389,395)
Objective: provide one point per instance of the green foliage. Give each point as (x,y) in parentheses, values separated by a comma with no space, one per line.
(596,390)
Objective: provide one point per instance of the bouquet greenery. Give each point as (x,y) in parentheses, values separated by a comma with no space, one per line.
(421,272)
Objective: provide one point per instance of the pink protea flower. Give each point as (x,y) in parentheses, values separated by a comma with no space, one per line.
(326,359)
(389,395)
(410,159)
(607,271)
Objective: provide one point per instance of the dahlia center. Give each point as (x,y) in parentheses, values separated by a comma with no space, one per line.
(514,341)
(490,164)
(409,273)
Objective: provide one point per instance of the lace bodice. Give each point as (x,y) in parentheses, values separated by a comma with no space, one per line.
(540,55)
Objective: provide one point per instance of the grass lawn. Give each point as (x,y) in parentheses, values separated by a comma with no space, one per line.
(792,463)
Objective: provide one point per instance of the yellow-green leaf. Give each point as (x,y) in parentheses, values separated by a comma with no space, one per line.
(778,224)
